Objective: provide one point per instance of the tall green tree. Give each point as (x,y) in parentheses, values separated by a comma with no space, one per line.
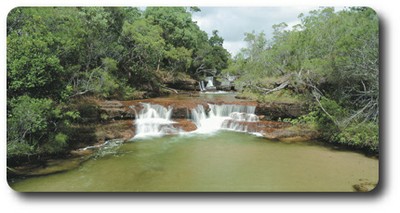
(144,48)
(176,22)
(187,48)
(218,56)
(211,58)
(32,65)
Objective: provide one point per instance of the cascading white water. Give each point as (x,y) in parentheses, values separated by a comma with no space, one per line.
(210,83)
(201,85)
(240,116)
(154,120)
(226,116)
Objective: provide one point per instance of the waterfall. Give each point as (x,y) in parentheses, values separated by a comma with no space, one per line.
(210,82)
(154,120)
(201,85)
(226,116)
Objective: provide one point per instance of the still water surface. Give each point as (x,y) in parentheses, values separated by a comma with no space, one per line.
(223,161)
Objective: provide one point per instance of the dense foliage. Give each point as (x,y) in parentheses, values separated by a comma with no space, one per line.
(331,60)
(57,54)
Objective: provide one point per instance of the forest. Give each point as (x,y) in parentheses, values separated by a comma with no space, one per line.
(56,55)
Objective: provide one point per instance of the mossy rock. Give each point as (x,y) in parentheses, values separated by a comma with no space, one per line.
(364,187)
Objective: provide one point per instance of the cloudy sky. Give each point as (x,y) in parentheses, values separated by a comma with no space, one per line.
(233,22)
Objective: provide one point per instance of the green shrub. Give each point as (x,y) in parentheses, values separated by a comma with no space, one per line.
(35,126)
(28,115)
(310,120)
(334,129)
(55,145)
(19,148)
(27,120)
(360,135)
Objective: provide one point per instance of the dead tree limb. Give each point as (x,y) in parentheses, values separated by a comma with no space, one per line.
(267,91)
(167,88)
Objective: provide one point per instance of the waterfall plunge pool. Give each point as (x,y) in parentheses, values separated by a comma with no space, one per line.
(224,161)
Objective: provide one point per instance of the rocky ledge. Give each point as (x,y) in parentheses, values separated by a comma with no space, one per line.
(274,111)
(181,108)
(267,113)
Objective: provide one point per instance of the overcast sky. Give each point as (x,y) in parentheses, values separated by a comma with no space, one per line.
(233,22)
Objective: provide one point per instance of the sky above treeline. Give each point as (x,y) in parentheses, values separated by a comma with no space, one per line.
(233,22)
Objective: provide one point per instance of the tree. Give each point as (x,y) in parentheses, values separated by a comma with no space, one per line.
(178,29)
(178,59)
(187,47)
(346,47)
(218,57)
(29,124)
(212,57)
(144,48)
(32,66)
(332,57)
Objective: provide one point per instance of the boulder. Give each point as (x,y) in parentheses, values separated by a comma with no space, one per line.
(364,187)
(274,111)
(291,135)
(185,124)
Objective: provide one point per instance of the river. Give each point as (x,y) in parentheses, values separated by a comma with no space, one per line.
(227,159)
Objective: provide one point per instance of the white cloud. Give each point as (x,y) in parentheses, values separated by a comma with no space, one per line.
(233,22)
(234,46)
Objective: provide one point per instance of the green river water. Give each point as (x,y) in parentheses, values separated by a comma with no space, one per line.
(221,162)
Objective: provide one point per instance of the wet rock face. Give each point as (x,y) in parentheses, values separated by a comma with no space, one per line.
(274,111)
(118,129)
(115,110)
(183,85)
(180,112)
(185,125)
